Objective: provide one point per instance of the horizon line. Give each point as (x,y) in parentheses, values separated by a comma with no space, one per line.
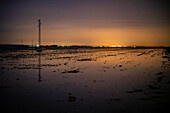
(66,45)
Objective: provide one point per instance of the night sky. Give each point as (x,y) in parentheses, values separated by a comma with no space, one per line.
(86,22)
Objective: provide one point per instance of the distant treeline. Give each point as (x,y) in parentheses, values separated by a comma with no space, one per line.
(15,46)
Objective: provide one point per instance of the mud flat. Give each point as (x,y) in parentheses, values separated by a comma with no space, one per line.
(83,80)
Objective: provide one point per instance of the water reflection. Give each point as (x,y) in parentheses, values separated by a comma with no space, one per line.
(86,80)
(39,67)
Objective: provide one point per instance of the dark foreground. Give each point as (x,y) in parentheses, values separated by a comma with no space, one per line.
(106,80)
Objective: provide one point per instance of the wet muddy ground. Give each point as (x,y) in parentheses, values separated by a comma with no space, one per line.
(106,80)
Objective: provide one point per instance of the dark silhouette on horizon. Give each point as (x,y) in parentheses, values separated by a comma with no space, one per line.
(39,36)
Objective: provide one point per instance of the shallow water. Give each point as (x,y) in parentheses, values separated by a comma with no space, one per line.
(85,80)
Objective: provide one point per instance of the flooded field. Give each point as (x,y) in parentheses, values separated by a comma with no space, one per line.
(106,80)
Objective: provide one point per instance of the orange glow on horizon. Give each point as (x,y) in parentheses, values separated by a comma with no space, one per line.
(136,36)
(125,36)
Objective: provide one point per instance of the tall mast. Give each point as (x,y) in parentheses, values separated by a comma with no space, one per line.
(39,34)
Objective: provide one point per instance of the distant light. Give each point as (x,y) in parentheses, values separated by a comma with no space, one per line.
(32,45)
(38,45)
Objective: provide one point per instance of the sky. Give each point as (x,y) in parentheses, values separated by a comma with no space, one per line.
(86,22)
